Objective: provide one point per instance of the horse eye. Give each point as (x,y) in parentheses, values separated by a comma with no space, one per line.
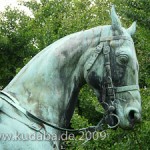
(123,59)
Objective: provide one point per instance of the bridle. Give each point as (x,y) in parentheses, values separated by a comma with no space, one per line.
(109,91)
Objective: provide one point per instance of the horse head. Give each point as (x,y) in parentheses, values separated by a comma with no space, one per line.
(112,71)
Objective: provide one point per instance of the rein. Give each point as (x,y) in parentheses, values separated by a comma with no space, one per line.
(12,101)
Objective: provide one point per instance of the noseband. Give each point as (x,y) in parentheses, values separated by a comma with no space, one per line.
(109,90)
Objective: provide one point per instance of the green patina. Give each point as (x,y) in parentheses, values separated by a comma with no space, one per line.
(49,84)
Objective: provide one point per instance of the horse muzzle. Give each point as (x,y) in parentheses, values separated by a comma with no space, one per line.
(129,117)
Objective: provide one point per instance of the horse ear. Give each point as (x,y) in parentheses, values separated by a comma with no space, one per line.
(116,23)
(131,30)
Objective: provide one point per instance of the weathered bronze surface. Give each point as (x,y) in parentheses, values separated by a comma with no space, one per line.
(103,57)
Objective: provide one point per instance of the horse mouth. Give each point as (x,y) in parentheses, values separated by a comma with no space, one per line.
(114,121)
(129,123)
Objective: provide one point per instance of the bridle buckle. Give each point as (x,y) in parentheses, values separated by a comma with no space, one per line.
(110,91)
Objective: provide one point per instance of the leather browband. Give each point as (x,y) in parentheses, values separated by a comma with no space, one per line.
(111,38)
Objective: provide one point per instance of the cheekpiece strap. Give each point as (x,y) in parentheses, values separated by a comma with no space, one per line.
(94,56)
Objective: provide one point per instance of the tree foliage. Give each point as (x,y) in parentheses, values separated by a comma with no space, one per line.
(15,43)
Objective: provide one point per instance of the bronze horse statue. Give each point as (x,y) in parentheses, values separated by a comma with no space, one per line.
(42,96)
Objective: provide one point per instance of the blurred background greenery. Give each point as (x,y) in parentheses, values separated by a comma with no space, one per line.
(22,36)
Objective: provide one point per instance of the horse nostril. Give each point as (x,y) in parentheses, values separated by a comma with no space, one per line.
(134,116)
(131,115)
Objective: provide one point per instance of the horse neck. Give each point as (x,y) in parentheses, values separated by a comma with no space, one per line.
(52,79)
